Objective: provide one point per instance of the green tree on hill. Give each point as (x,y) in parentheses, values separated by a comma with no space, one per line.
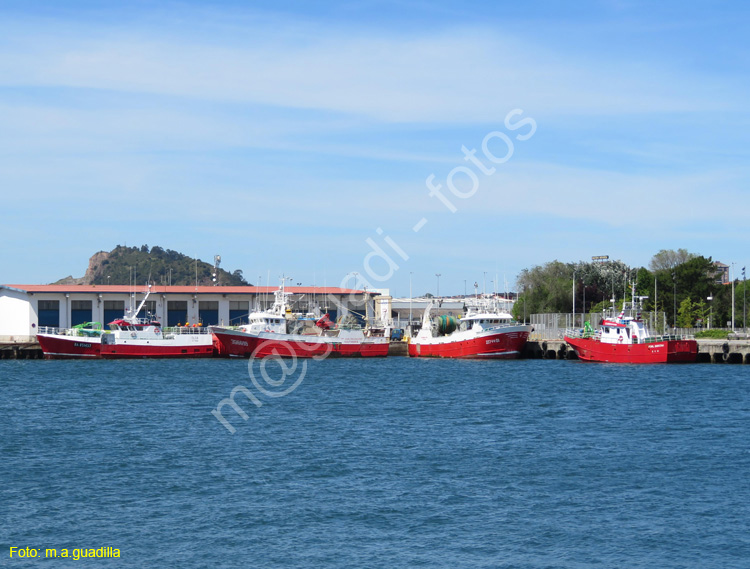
(136,265)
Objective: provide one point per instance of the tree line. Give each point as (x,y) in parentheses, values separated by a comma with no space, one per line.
(685,286)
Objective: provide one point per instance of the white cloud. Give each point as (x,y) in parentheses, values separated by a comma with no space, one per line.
(457,75)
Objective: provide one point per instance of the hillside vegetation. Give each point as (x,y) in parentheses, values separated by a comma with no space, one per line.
(126,265)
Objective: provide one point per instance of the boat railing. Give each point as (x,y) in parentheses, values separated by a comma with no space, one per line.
(51,330)
(597,335)
(582,333)
(190,330)
(510,324)
(668,337)
(140,321)
(76,332)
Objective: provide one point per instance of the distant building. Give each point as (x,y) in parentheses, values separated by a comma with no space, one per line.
(722,273)
(398,311)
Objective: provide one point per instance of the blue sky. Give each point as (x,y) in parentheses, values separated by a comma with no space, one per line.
(291,138)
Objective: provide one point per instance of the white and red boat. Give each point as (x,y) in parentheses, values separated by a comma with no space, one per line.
(487,331)
(625,338)
(127,337)
(278,332)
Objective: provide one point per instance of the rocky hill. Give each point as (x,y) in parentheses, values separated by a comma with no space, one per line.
(162,266)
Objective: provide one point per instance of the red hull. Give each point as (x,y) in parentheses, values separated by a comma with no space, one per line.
(667,351)
(506,345)
(245,345)
(129,351)
(66,347)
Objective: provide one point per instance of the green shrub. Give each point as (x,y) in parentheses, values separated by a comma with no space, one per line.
(712,334)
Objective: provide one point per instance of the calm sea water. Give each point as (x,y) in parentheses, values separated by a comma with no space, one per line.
(381,463)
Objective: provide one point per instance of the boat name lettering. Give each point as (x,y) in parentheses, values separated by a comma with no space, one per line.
(81,345)
(239,342)
(493,341)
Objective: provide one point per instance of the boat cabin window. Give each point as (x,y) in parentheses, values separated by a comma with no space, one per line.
(606,329)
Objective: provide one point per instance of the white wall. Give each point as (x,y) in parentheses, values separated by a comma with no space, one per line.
(16,316)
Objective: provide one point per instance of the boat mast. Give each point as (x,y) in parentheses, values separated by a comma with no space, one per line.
(426,315)
(140,306)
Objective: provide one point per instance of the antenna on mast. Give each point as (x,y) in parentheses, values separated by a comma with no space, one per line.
(217,261)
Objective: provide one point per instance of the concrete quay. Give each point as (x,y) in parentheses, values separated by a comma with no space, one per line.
(21,351)
(724,351)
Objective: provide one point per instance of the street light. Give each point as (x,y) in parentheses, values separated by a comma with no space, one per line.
(574,298)
(583,282)
(410,274)
(710,310)
(438,284)
(744,304)
(732,278)
(674,296)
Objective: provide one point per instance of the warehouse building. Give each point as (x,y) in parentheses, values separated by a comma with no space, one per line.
(26,308)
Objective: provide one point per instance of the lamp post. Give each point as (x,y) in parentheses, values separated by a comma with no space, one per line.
(674,297)
(710,310)
(410,274)
(574,298)
(656,303)
(744,304)
(732,278)
(584,298)
(484,283)
(438,284)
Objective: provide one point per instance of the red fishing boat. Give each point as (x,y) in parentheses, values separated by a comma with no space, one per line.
(127,337)
(625,338)
(278,332)
(487,331)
